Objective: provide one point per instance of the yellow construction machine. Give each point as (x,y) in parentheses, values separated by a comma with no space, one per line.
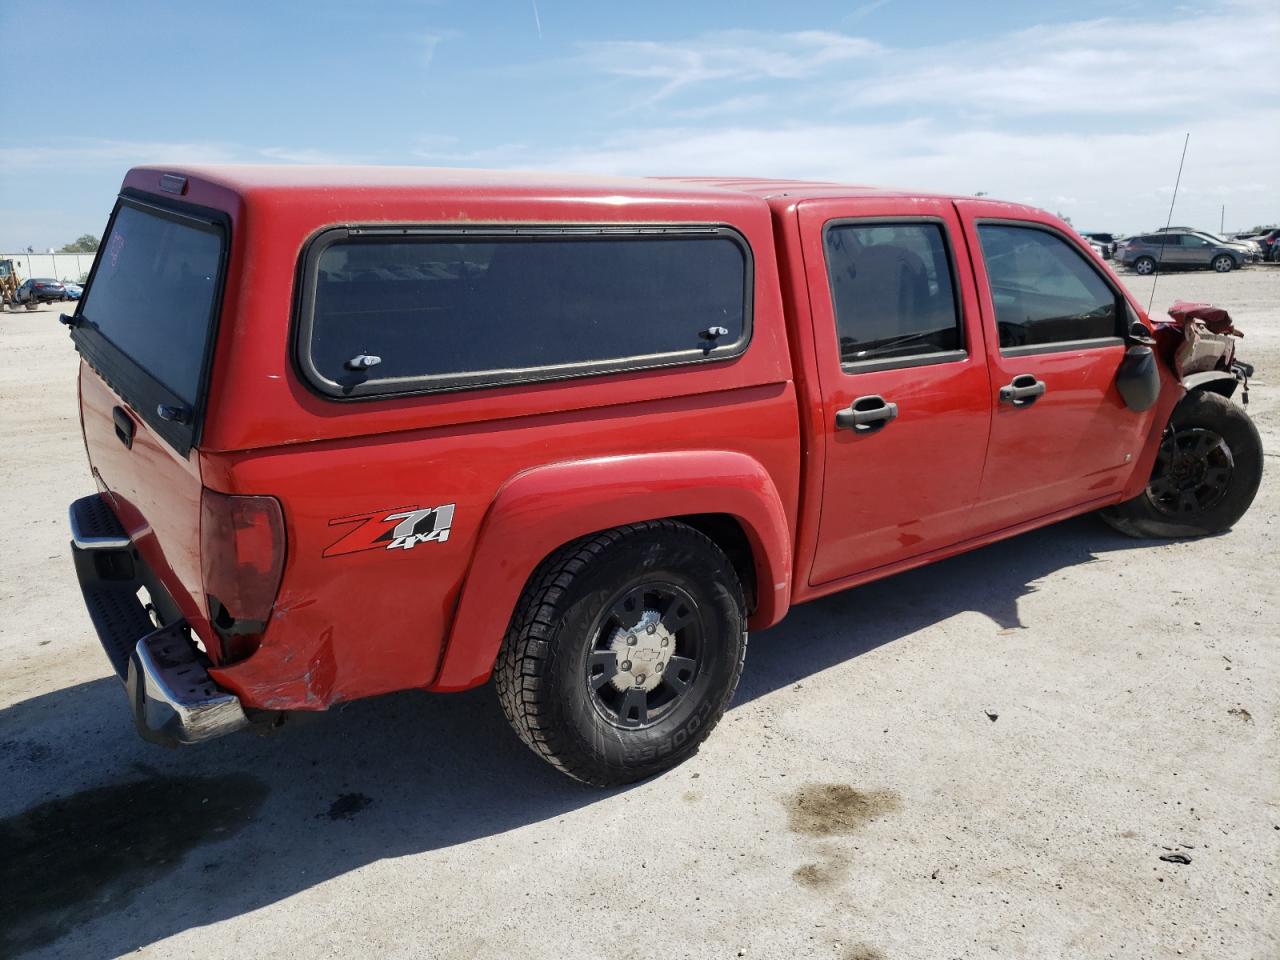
(9,283)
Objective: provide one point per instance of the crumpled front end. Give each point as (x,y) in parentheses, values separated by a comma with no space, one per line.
(1198,340)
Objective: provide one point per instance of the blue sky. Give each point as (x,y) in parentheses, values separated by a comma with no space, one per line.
(1078,107)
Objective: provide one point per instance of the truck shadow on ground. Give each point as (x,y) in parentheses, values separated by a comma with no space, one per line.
(110,844)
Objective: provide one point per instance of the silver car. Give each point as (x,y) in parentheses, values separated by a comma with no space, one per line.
(1182,249)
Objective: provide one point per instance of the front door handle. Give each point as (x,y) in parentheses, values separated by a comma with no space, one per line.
(866,414)
(1023,391)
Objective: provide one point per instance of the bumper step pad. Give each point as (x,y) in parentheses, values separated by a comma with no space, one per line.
(173,697)
(95,527)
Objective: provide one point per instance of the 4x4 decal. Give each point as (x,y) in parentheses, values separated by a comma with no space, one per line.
(401,528)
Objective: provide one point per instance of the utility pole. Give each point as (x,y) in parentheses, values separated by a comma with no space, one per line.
(1222,219)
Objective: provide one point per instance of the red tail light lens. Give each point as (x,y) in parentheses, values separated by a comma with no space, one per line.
(242,547)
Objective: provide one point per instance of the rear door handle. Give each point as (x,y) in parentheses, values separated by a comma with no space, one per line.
(866,414)
(124,426)
(1023,391)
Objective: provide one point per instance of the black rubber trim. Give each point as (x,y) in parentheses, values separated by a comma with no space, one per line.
(894,363)
(1215,381)
(117,614)
(110,580)
(304,295)
(1062,346)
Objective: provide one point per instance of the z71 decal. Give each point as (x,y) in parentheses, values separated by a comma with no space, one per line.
(402,528)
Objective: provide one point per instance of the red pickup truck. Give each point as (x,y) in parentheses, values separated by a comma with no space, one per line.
(358,430)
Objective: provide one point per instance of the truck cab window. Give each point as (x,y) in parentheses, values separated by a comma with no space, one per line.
(1043,289)
(892,290)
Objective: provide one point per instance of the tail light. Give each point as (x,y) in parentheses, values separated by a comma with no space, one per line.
(242,545)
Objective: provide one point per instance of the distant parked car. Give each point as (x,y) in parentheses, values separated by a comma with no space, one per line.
(1108,241)
(1255,249)
(1146,252)
(73,290)
(42,290)
(1269,242)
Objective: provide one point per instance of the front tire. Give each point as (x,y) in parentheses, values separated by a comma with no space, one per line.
(1205,477)
(1223,263)
(1144,266)
(624,651)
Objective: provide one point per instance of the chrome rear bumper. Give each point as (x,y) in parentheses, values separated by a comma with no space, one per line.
(174,699)
(172,696)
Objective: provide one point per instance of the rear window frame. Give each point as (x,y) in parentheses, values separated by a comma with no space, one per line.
(426,384)
(136,385)
(958,355)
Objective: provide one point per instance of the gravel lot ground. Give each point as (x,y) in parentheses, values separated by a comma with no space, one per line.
(987,757)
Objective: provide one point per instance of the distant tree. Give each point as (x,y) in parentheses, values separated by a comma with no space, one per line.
(86,244)
(1063,217)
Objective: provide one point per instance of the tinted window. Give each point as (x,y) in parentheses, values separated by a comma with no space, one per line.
(153,294)
(1043,289)
(492,309)
(892,290)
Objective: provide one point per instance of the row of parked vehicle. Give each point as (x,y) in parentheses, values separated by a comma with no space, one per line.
(1186,247)
(46,290)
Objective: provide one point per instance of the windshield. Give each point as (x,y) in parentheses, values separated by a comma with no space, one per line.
(153,293)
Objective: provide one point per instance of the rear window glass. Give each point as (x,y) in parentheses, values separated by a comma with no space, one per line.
(892,291)
(153,293)
(439,312)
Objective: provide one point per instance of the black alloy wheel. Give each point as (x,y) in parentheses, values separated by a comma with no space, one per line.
(645,654)
(1192,472)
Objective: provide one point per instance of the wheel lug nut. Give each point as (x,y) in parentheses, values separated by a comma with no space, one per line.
(651,629)
(625,666)
(639,679)
(657,667)
(631,640)
(665,642)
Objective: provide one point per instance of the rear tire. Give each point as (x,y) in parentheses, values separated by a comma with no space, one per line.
(1223,263)
(1144,266)
(585,674)
(1205,477)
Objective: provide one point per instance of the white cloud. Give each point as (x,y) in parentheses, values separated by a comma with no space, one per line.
(1112,180)
(1087,117)
(96,153)
(88,153)
(857,13)
(1108,66)
(733,55)
(307,155)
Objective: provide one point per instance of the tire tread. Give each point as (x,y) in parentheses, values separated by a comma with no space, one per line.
(527,648)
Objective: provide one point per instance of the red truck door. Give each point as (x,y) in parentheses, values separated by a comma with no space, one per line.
(902,371)
(1061,435)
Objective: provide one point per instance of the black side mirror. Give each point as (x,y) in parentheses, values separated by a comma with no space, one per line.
(1138,378)
(1138,333)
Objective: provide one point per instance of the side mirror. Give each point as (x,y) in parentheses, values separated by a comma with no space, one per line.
(1138,333)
